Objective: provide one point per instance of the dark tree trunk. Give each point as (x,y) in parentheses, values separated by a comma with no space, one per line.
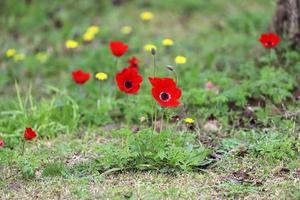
(287,20)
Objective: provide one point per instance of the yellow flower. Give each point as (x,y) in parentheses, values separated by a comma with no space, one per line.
(88,36)
(71,44)
(93,30)
(10,53)
(167,42)
(42,56)
(189,120)
(146,16)
(101,76)
(180,60)
(148,47)
(126,30)
(19,57)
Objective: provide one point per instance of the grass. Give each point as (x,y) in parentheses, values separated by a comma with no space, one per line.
(245,139)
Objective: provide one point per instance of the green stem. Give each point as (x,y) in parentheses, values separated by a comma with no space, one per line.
(270,59)
(127,110)
(176,76)
(162,120)
(116,62)
(154,113)
(155,118)
(154,65)
(167,117)
(23,147)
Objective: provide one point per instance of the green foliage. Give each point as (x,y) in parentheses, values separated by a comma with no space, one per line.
(276,147)
(275,84)
(146,150)
(252,93)
(54,169)
(48,117)
(270,146)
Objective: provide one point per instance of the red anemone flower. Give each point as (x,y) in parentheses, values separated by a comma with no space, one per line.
(133,62)
(165,91)
(129,80)
(1,143)
(269,40)
(118,48)
(80,77)
(29,134)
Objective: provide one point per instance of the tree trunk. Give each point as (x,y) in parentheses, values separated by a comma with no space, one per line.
(286,21)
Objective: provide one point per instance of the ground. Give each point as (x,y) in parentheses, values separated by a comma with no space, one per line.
(95,143)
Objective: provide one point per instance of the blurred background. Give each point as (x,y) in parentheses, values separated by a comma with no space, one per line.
(42,42)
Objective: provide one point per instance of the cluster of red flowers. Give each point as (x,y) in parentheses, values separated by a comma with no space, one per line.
(164,90)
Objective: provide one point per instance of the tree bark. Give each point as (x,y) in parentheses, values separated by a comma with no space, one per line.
(286,21)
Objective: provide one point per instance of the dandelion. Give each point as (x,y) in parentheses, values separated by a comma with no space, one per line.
(168,42)
(101,76)
(93,29)
(88,36)
(10,53)
(71,44)
(19,57)
(146,16)
(149,47)
(80,77)
(189,120)
(42,56)
(126,30)
(165,91)
(180,60)
(129,80)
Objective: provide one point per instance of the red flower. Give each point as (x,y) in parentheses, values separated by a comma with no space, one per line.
(269,40)
(29,134)
(118,48)
(133,62)
(1,143)
(80,77)
(129,80)
(165,91)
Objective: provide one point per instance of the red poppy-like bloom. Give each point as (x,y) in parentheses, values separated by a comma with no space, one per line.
(118,48)
(129,80)
(269,40)
(29,134)
(133,62)
(1,143)
(165,91)
(80,77)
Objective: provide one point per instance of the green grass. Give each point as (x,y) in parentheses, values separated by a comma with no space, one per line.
(92,142)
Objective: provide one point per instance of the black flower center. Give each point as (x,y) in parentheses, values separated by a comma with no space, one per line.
(269,43)
(128,84)
(164,96)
